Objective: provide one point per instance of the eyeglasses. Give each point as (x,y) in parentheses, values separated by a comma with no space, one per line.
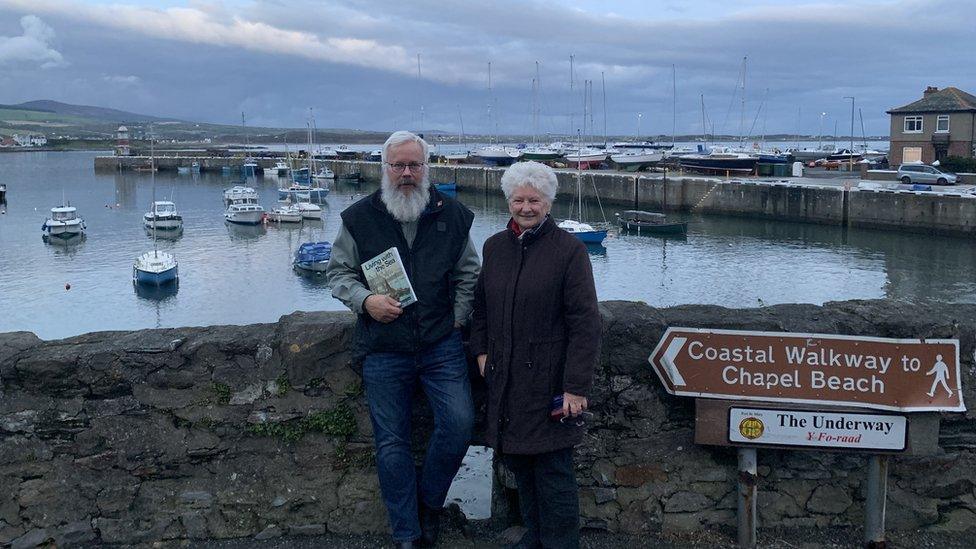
(582,419)
(399,167)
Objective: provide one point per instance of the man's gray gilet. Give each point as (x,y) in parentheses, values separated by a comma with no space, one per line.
(442,233)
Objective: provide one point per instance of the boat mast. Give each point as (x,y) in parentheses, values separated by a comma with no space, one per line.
(419,79)
(604,82)
(742,110)
(704,127)
(535,109)
(674,105)
(491,127)
(152,177)
(579,171)
(572,77)
(864,139)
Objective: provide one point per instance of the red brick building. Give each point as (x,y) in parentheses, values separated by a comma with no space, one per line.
(942,123)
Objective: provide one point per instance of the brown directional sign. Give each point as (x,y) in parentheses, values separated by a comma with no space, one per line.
(869,372)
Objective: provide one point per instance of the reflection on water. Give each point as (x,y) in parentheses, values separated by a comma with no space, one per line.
(161,293)
(235,274)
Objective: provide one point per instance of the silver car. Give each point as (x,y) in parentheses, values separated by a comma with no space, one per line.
(921,173)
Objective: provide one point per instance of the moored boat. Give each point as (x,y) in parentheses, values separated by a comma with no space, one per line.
(155,268)
(285,214)
(649,223)
(63,223)
(162,215)
(313,256)
(583,231)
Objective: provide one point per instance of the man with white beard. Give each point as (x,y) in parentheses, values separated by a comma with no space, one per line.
(419,343)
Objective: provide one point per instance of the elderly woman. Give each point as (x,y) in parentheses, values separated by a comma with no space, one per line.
(536,333)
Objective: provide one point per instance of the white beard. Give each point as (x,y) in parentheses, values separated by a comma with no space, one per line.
(405,207)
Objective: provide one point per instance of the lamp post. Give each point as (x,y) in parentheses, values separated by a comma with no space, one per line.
(820,137)
(851,150)
(639,116)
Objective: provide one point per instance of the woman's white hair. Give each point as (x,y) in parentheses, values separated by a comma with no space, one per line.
(401,137)
(530,174)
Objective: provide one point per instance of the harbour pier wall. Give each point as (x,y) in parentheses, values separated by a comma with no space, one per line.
(848,206)
(263,430)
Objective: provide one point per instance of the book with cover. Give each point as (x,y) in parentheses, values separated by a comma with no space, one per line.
(385,275)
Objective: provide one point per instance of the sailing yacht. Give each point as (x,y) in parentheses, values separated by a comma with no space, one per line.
(584,231)
(155,267)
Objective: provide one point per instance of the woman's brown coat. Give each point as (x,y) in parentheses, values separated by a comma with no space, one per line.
(536,317)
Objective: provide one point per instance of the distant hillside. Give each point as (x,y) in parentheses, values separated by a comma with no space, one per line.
(84,111)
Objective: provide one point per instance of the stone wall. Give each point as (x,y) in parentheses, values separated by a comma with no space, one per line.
(262,430)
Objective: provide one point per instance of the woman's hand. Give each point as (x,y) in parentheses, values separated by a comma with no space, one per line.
(573,405)
(482,360)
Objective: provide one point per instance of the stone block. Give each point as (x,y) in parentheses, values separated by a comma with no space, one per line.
(32,539)
(271,531)
(829,500)
(636,475)
(683,502)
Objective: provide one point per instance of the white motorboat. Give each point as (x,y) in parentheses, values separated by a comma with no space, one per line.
(309,210)
(63,223)
(280,169)
(324,174)
(165,215)
(239,193)
(244,214)
(285,214)
(242,206)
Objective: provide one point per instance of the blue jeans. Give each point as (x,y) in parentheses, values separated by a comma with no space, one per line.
(390,380)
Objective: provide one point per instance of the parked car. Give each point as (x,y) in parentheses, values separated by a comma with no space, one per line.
(921,173)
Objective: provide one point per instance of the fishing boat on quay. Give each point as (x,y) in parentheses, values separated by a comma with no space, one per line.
(720,159)
(586,157)
(633,160)
(496,155)
(652,223)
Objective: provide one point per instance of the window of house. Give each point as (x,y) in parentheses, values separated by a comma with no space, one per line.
(942,123)
(911,154)
(913,124)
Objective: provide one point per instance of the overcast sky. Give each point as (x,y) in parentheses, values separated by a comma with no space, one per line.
(356,62)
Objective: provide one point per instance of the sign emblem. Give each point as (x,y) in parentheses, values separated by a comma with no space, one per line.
(751,427)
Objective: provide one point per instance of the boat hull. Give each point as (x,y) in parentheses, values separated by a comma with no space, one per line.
(164,224)
(244,218)
(150,278)
(718,165)
(653,228)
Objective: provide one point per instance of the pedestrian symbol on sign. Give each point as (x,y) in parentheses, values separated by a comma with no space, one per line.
(941,371)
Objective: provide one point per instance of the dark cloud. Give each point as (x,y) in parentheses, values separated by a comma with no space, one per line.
(360,69)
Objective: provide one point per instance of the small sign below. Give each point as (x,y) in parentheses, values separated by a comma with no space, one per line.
(847,430)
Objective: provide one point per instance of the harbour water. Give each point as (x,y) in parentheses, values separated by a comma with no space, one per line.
(239,275)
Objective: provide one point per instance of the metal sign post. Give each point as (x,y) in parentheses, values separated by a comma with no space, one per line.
(747,497)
